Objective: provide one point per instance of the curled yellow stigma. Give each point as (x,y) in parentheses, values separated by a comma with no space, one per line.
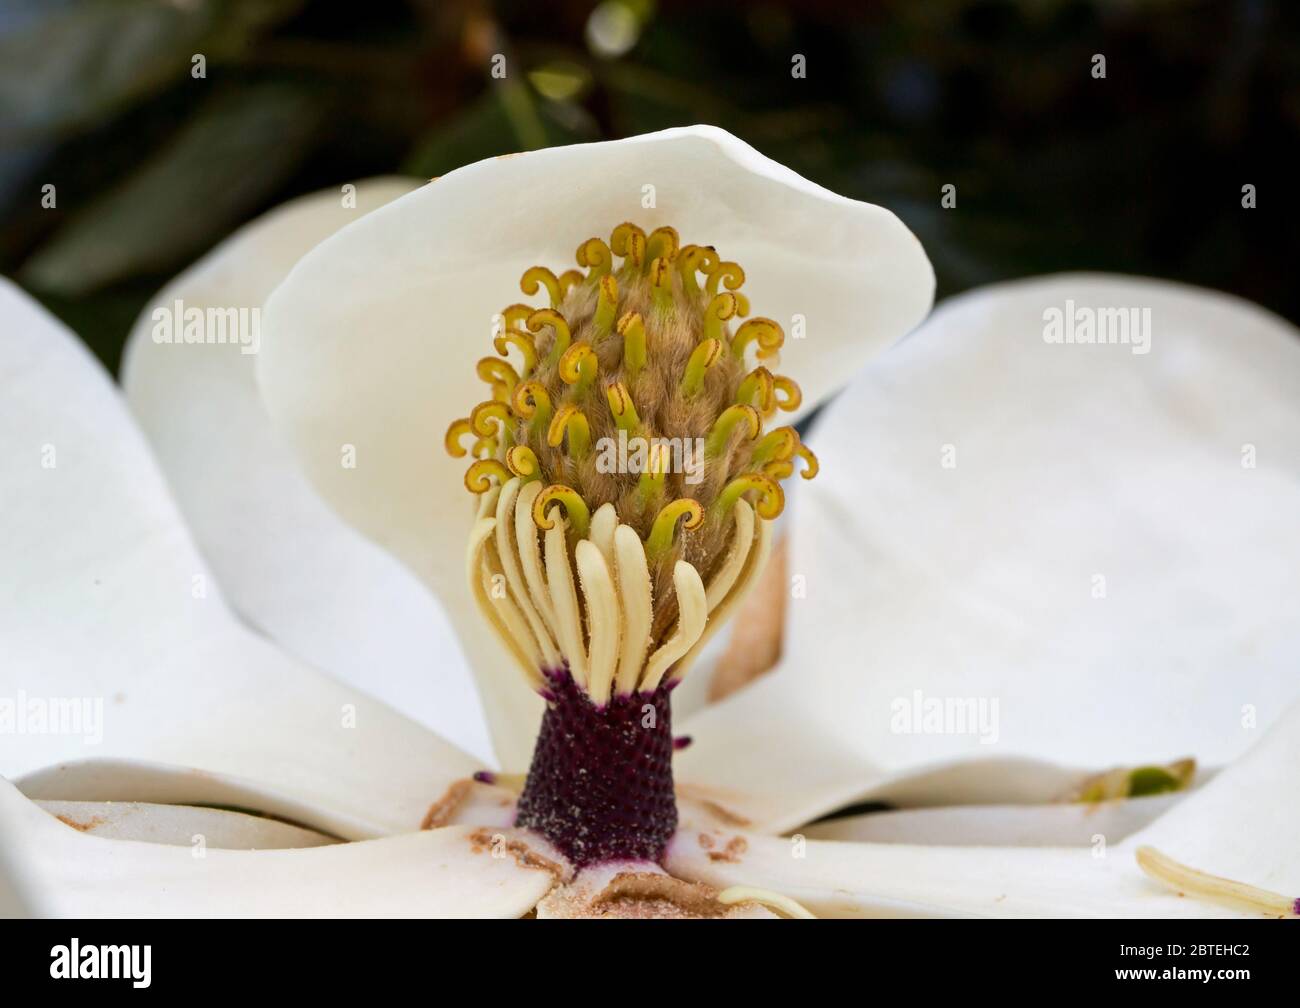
(811,466)
(721,308)
(628,241)
(620,405)
(702,358)
(568,280)
(758,389)
(571,422)
(720,435)
(729,274)
(536,277)
(768,334)
(694,259)
(550,317)
(771,501)
(532,402)
(665,526)
(578,368)
(516,315)
(484,417)
(662,244)
(451,440)
(521,461)
(789,396)
(478,477)
(575,509)
(522,342)
(776,444)
(593,254)
(500,375)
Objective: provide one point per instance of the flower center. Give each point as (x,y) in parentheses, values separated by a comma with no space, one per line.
(625,492)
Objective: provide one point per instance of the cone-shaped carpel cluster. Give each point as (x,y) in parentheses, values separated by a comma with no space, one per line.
(627,465)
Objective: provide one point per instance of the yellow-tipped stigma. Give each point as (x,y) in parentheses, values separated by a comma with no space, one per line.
(702,358)
(478,477)
(606,306)
(484,417)
(771,501)
(570,422)
(620,404)
(550,317)
(768,334)
(536,277)
(650,485)
(720,435)
(521,461)
(719,310)
(776,444)
(662,244)
(757,389)
(500,375)
(595,256)
(665,526)
(729,274)
(578,368)
(575,509)
(568,280)
(811,467)
(532,402)
(628,241)
(522,342)
(789,396)
(451,440)
(632,329)
(693,259)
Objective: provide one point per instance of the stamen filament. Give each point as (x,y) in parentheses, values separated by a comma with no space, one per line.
(1214,888)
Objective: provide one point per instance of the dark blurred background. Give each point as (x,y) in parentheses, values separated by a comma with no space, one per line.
(1054,168)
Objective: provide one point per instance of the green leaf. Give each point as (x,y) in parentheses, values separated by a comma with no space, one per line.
(228,159)
(65,66)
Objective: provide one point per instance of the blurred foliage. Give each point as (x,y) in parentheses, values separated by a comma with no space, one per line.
(1140,172)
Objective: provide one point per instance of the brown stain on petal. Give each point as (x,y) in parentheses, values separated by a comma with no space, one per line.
(77,824)
(731,853)
(758,628)
(445,807)
(487,841)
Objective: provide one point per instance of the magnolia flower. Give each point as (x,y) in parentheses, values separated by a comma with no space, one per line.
(1081,552)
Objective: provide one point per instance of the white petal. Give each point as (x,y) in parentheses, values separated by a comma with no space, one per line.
(1241,825)
(1080,472)
(182,825)
(286,562)
(372,339)
(110,621)
(448,872)
(1073,824)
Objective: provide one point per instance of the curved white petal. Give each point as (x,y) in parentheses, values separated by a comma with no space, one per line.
(286,562)
(372,339)
(1102,542)
(1242,825)
(449,872)
(1072,824)
(182,825)
(117,642)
